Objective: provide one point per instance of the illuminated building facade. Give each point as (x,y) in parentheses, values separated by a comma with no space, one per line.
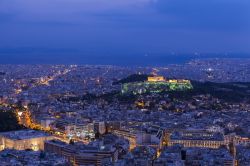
(80,154)
(24,139)
(156,79)
(156,85)
(202,139)
(131,137)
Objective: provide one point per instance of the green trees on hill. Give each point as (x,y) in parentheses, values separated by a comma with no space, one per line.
(132,78)
(9,121)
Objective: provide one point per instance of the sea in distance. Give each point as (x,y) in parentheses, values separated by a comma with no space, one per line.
(118,60)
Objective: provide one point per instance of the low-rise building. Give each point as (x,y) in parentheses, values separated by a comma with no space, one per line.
(207,156)
(197,138)
(80,154)
(24,139)
(11,157)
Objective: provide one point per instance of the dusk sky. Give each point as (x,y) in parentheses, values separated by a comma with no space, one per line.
(123,27)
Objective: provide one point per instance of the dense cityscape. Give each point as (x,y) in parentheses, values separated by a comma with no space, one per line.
(124,82)
(194,114)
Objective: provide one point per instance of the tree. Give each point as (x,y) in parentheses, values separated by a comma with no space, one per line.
(42,155)
(9,121)
(71,142)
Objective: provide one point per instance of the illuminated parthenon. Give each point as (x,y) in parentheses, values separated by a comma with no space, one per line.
(156,84)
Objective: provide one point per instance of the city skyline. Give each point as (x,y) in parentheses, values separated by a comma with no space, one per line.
(124,82)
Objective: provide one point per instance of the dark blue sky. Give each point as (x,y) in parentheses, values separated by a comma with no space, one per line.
(102,28)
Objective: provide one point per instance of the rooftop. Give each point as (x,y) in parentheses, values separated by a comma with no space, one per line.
(196,135)
(24,134)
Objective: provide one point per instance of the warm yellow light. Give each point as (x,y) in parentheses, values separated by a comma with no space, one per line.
(35,147)
(156,79)
(19,113)
(173,81)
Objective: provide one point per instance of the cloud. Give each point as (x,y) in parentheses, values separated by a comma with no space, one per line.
(68,6)
(68,10)
(130,25)
(207,14)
